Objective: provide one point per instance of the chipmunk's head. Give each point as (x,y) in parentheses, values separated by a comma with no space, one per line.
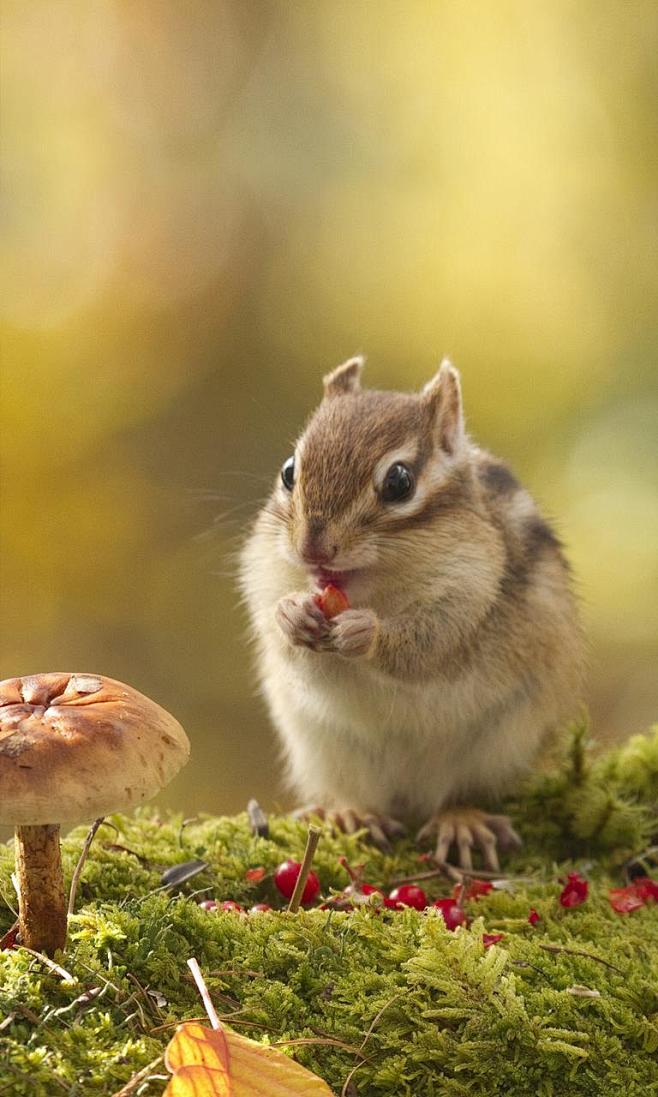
(370,468)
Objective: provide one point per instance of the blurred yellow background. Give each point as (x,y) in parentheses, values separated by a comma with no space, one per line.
(208,205)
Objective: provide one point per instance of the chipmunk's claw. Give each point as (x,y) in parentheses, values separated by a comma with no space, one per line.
(301,621)
(381,829)
(465,828)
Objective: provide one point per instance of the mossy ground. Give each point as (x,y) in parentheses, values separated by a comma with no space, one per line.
(407,1006)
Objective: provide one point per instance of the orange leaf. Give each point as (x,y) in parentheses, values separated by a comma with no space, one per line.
(261,1071)
(219,1063)
(198,1057)
(198,1082)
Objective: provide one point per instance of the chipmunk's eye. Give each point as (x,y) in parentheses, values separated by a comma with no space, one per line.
(288,474)
(399,483)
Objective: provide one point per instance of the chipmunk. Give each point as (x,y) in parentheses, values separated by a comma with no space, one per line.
(461,651)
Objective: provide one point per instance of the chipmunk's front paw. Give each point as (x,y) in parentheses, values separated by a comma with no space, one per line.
(465,828)
(354,632)
(301,621)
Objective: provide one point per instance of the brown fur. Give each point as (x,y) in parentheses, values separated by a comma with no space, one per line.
(343,440)
(462,650)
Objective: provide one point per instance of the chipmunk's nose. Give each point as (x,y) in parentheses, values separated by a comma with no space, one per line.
(315,548)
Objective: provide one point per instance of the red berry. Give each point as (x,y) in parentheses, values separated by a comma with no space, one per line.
(332,601)
(451,912)
(259,908)
(407,895)
(533,917)
(228,904)
(360,893)
(285,879)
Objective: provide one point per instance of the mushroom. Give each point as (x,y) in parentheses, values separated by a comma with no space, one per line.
(73,747)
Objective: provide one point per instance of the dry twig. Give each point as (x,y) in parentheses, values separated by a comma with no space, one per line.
(456,874)
(320,1040)
(581,952)
(50,964)
(309,853)
(203,991)
(140,1076)
(377,1018)
(77,873)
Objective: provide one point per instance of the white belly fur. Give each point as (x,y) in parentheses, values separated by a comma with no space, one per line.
(354,738)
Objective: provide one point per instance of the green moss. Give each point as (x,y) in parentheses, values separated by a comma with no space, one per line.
(417,1010)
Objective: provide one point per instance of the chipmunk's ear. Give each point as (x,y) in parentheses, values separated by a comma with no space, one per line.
(443,398)
(345,378)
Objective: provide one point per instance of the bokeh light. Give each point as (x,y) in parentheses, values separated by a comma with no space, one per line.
(208,205)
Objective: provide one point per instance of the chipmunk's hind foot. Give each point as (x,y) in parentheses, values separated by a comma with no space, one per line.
(467,828)
(381,829)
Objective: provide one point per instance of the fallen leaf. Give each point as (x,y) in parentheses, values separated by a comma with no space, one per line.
(583,992)
(255,874)
(476,888)
(575,890)
(489,939)
(625,900)
(208,1062)
(261,1071)
(646,888)
(198,1058)
(10,938)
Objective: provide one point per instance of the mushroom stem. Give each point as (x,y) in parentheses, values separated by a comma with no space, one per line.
(41,898)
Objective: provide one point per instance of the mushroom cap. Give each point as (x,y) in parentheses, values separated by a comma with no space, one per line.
(74,747)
